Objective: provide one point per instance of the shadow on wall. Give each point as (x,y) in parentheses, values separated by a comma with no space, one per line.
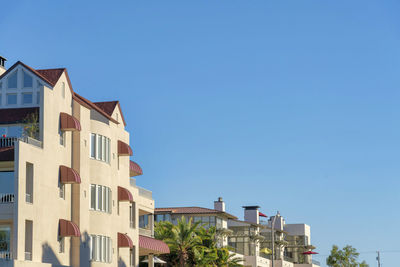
(49,256)
(121,263)
(85,250)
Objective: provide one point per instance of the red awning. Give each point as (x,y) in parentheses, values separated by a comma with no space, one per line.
(134,169)
(69,175)
(124,149)
(153,245)
(69,123)
(124,194)
(68,228)
(262,214)
(309,253)
(124,241)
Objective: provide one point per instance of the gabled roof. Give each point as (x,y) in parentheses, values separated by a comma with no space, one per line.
(51,76)
(109,107)
(192,210)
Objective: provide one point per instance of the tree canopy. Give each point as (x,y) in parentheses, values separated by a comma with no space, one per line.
(346,257)
(192,244)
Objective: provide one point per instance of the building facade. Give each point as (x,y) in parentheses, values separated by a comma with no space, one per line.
(251,238)
(66,193)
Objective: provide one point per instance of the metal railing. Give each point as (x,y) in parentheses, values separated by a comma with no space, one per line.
(29,198)
(28,256)
(6,198)
(10,141)
(5,255)
(146,232)
(145,193)
(316,262)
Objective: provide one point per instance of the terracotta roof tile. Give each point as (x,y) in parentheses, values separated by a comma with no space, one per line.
(52,75)
(15,115)
(108,107)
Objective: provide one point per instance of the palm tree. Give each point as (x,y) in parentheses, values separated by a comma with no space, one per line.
(228,259)
(181,238)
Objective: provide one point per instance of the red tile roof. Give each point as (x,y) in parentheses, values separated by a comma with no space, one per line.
(192,210)
(6,153)
(52,75)
(108,107)
(16,115)
(157,246)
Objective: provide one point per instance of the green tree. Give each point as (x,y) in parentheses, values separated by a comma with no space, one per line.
(346,257)
(181,240)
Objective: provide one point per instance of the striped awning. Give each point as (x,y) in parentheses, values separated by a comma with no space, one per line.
(124,194)
(134,169)
(152,245)
(124,149)
(68,228)
(124,241)
(69,123)
(69,175)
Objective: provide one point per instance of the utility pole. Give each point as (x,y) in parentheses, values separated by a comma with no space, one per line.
(273,238)
(378,258)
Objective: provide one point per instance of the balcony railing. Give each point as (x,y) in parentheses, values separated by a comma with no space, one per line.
(144,231)
(28,256)
(316,262)
(10,141)
(6,198)
(5,255)
(145,193)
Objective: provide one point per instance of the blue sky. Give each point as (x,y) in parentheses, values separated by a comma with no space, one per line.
(291,105)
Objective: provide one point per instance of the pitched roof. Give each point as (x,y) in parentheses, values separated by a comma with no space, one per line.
(109,107)
(16,115)
(192,210)
(51,76)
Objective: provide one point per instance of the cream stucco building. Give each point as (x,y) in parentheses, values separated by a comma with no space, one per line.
(66,193)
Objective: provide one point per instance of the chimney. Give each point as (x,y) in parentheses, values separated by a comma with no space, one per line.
(2,65)
(219,204)
(251,214)
(279,221)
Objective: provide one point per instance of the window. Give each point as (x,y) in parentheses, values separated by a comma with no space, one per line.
(63,90)
(62,191)
(1,102)
(28,240)
(92,145)
(144,221)
(100,147)
(12,81)
(5,234)
(100,248)
(61,244)
(11,99)
(132,260)
(166,217)
(132,213)
(62,137)
(29,182)
(100,198)
(27,98)
(28,81)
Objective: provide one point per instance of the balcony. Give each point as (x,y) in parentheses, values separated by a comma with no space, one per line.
(6,198)
(145,232)
(5,256)
(145,193)
(10,141)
